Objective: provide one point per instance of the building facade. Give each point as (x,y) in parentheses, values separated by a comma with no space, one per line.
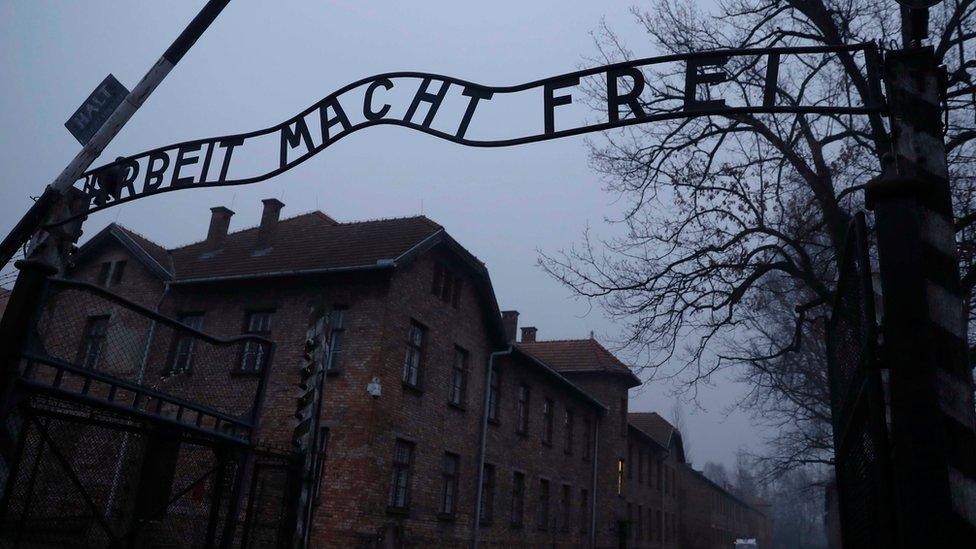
(442,427)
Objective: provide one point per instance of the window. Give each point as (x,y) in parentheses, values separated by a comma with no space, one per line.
(103,273)
(650,524)
(118,269)
(494,392)
(487,494)
(640,523)
(518,499)
(673,491)
(566,507)
(320,452)
(522,409)
(640,465)
(547,407)
(542,515)
(446,285)
(584,510)
(416,343)
(459,377)
(110,273)
(400,483)
(658,524)
(183,343)
(587,437)
(449,486)
(92,342)
(630,459)
(568,425)
(667,527)
(630,520)
(620,477)
(337,327)
(256,354)
(623,417)
(660,481)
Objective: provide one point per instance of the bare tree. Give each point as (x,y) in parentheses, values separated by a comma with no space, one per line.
(681,424)
(717,473)
(733,224)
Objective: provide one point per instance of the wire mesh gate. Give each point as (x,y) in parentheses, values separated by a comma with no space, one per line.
(132,429)
(862,454)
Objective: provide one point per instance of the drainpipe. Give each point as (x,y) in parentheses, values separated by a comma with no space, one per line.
(117,477)
(596,456)
(484,444)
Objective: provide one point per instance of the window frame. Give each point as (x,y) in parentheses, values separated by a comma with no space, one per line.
(566,508)
(393,501)
(568,428)
(543,504)
(517,516)
(118,271)
(181,338)
(449,483)
(522,405)
(261,362)
(458,390)
(337,333)
(87,336)
(494,396)
(548,413)
(486,506)
(584,510)
(414,349)
(587,437)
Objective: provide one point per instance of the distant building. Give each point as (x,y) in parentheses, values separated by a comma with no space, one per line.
(713,517)
(416,427)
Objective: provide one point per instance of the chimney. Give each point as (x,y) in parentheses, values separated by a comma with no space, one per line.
(219,223)
(528,334)
(510,324)
(269,219)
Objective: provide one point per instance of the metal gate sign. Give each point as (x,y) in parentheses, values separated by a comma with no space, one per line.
(471,114)
(96,109)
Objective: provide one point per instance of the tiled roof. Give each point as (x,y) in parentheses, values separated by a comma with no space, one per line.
(653,425)
(569,355)
(307,242)
(158,253)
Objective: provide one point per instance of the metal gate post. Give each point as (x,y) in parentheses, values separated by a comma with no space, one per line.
(216,496)
(924,327)
(24,299)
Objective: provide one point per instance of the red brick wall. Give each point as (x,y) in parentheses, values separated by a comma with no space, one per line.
(510,451)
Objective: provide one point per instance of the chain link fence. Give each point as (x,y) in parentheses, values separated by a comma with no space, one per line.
(862,455)
(136,430)
(96,346)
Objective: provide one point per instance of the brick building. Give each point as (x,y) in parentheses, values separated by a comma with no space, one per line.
(459,411)
(713,517)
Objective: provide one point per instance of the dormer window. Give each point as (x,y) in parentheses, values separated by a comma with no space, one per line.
(446,285)
(111,273)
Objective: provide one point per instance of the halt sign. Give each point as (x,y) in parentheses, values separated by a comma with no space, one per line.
(96,109)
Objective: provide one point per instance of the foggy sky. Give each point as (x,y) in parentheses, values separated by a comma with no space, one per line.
(262,62)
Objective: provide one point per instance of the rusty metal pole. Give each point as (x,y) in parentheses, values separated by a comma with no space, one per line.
(32,221)
(924,326)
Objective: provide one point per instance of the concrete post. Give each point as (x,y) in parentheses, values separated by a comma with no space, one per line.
(924,327)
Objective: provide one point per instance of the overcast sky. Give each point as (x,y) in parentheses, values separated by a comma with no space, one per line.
(263,62)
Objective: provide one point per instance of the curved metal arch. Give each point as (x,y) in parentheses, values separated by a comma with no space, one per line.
(101,198)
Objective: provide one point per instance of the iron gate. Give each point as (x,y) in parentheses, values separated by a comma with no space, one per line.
(862,458)
(128,428)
